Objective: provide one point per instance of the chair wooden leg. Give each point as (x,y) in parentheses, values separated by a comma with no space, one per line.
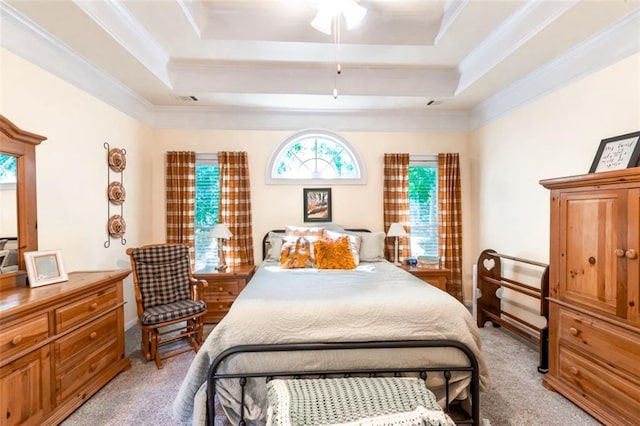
(155,337)
(146,343)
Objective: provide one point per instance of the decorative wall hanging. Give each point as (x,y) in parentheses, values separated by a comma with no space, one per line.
(116,194)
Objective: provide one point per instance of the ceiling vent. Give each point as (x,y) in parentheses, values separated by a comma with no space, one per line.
(434,102)
(185,98)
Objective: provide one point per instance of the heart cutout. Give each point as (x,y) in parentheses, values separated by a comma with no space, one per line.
(488,264)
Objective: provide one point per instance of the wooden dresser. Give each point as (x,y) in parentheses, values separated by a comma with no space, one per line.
(223,289)
(594,294)
(59,345)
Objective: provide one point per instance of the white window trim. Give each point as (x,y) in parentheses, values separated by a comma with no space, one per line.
(270,180)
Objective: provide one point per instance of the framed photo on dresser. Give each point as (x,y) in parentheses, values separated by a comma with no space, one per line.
(618,152)
(45,267)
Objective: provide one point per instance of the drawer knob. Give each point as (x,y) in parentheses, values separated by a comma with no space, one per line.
(631,254)
(220,288)
(16,340)
(93,335)
(619,252)
(93,306)
(220,306)
(94,366)
(574,370)
(573,331)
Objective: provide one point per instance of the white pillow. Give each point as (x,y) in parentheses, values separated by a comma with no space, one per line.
(371,246)
(275,246)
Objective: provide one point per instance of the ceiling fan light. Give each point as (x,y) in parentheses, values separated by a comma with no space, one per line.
(353,13)
(323,21)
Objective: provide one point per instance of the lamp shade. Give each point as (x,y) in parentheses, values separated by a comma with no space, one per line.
(220,231)
(396,230)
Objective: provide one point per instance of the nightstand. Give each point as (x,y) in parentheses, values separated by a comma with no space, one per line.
(434,276)
(223,289)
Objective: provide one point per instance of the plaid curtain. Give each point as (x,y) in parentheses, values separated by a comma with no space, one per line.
(180,193)
(235,207)
(396,202)
(450,220)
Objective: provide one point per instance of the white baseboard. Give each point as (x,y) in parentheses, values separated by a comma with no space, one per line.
(130,324)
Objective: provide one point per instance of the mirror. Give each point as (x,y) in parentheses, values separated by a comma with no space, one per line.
(21,145)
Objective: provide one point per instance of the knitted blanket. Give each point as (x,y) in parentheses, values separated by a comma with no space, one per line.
(353,401)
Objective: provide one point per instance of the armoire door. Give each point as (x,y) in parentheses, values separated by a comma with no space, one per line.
(592,274)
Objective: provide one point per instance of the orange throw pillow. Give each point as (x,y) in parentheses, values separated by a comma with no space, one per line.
(334,254)
(296,253)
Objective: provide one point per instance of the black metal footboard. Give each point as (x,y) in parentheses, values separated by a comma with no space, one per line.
(446,371)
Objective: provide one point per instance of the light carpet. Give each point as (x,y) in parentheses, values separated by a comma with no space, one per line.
(144,395)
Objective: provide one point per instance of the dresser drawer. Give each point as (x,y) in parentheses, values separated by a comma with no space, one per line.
(84,309)
(80,343)
(226,288)
(599,386)
(22,334)
(73,377)
(615,346)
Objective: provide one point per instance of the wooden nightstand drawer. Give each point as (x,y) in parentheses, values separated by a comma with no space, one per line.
(19,335)
(223,289)
(81,343)
(226,288)
(84,309)
(434,276)
(594,385)
(590,335)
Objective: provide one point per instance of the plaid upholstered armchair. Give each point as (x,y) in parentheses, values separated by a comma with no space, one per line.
(170,301)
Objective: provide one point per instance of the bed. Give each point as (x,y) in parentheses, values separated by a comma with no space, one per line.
(376,302)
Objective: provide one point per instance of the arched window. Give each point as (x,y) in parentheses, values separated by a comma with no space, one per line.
(315,156)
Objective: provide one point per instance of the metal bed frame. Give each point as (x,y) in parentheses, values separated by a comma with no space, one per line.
(472,368)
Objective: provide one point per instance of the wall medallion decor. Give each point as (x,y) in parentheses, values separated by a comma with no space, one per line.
(116,194)
(117,159)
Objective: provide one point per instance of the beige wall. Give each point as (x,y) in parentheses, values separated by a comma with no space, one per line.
(72,167)
(275,206)
(504,207)
(556,136)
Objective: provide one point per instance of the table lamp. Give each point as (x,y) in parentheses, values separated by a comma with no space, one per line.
(220,232)
(396,230)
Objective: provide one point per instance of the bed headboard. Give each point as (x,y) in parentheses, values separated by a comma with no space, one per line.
(266,245)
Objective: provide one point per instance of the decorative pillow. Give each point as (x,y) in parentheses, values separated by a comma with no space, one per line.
(304,231)
(354,242)
(334,254)
(296,253)
(372,246)
(275,246)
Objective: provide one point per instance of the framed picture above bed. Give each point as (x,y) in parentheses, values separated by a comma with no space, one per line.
(317,204)
(618,152)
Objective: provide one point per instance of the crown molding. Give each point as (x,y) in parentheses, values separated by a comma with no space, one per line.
(409,120)
(524,24)
(606,48)
(451,13)
(200,78)
(116,20)
(25,39)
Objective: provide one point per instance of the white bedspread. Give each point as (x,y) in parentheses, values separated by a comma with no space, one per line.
(377,301)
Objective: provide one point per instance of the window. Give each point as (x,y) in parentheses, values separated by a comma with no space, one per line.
(206,211)
(315,156)
(423,205)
